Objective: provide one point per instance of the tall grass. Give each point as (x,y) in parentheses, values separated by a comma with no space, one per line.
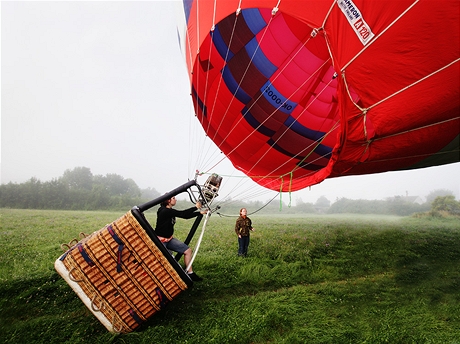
(315,279)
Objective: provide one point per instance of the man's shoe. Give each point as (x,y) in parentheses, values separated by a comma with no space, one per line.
(194,277)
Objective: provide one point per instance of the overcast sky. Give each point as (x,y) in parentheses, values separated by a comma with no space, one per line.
(104,85)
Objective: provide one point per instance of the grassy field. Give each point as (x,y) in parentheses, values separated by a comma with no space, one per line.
(311,279)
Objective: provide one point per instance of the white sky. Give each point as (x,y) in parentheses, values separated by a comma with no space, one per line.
(104,85)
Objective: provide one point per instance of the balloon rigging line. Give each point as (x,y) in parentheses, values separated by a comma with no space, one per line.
(220,79)
(200,157)
(411,156)
(380,34)
(206,86)
(197,51)
(328,13)
(242,78)
(255,211)
(418,128)
(303,150)
(222,72)
(239,85)
(272,114)
(214,15)
(414,83)
(287,129)
(300,152)
(247,68)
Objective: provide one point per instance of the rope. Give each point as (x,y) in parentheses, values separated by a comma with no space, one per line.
(412,156)
(254,212)
(197,247)
(418,128)
(272,114)
(415,83)
(244,74)
(239,84)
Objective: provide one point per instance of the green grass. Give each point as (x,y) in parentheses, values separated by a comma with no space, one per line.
(307,279)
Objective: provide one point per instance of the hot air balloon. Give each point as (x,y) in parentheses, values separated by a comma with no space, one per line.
(294,92)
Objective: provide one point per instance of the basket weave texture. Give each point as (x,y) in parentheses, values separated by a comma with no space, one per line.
(123,273)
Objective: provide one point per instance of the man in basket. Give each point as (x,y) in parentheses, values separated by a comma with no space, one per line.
(166,219)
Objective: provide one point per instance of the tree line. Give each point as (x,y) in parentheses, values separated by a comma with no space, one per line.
(79,189)
(76,189)
(437,202)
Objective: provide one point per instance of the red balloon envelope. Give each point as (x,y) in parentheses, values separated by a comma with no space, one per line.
(294,92)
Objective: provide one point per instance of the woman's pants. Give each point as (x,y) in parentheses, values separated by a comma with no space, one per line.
(243,244)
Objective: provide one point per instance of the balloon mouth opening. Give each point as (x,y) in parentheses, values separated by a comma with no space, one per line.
(265,92)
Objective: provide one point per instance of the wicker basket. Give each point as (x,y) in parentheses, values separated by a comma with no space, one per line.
(121,275)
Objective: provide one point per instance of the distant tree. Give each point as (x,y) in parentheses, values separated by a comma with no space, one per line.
(302,207)
(80,178)
(31,193)
(446,204)
(399,205)
(149,193)
(439,192)
(56,195)
(116,185)
(359,206)
(322,204)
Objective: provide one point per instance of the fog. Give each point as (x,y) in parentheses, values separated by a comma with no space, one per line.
(104,85)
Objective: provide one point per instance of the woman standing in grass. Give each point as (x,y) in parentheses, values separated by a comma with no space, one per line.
(242,228)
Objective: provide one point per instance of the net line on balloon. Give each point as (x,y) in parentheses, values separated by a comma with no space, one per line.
(273,113)
(406,87)
(271,175)
(201,158)
(301,45)
(220,80)
(316,143)
(287,129)
(238,10)
(239,84)
(418,128)
(201,153)
(223,69)
(364,111)
(426,155)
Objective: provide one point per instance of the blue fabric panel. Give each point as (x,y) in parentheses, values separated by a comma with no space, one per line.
(306,165)
(259,59)
(256,124)
(253,20)
(276,99)
(232,85)
(199,102)
(220,45)
(302,130)
(187,7)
